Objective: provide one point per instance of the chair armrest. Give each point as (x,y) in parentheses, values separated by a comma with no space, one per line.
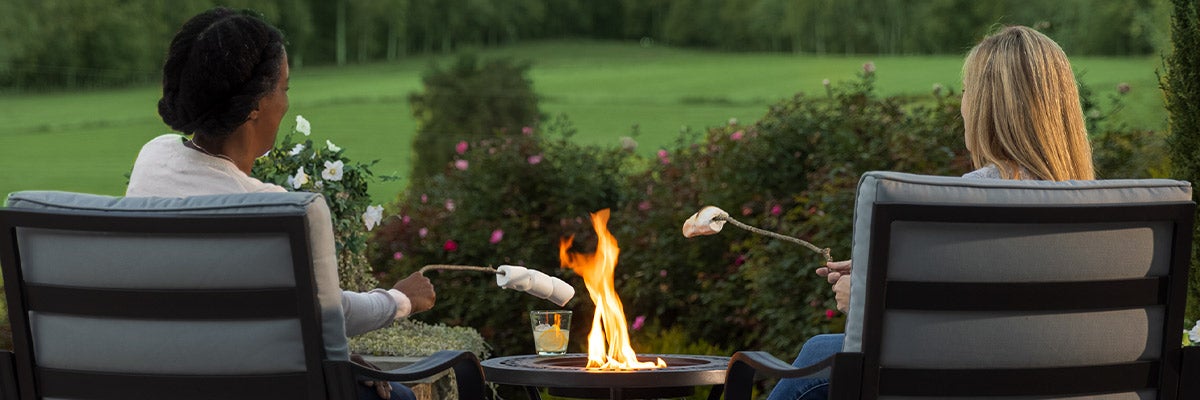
(1189,387)
(8,376)
(743,366)
(467,372)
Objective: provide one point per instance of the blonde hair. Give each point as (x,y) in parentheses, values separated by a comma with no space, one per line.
(1021,108)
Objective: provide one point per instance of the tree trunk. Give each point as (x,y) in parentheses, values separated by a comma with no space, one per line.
(340,32)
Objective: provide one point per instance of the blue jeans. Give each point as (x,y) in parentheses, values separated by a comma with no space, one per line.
(399,392)
(815,349)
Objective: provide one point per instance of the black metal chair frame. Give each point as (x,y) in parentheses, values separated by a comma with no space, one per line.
(21,377)
(860,376)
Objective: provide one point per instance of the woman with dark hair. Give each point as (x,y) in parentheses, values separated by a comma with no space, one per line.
(225,83)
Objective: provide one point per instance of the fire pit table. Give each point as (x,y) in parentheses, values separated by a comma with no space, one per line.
(565,376)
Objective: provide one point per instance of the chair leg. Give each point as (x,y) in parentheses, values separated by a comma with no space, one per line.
(8,376)
(339,380)
(1189,386)
(846,382)
(469,376)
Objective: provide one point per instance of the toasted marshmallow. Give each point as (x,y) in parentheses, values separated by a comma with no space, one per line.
(702,222)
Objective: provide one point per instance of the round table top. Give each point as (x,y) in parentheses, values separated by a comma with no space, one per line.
(568,371)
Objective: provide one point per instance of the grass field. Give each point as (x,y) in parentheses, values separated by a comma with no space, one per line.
(86,141)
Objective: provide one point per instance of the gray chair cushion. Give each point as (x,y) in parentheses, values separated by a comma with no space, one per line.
(150,261)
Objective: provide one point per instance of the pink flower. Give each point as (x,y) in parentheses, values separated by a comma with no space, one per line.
(662,273)
(829,314)
(450,205)
(869,67)
(461,165)
(663,157)
(461,147)
(406,219)
(527,130)
(747,211)
(497,235)
(639,322)
(423,232)
(424,198)
(741,259)
(397,256)
(644,205)
(450,246)
(736,135)
(534,159)
(776,210)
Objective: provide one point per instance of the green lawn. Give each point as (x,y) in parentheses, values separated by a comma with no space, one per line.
(87,141)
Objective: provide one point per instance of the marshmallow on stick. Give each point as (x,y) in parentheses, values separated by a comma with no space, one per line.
(523,279)
(534,282)
(709,220)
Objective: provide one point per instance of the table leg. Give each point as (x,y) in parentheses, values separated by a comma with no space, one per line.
(615,394)
(532,391)
(715,392)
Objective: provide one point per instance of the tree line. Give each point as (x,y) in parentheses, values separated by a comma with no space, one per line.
(70,43)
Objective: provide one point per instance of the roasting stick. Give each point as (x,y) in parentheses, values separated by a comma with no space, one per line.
(709,220)
(530,281)
(446,267)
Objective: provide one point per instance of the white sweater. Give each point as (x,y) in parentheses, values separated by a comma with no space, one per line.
(167,168)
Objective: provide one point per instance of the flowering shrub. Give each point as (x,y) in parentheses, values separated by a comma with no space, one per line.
(299,164)
(507,200)
(501,200)
(794,171)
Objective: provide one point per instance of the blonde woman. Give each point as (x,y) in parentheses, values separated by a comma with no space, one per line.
(1022,120)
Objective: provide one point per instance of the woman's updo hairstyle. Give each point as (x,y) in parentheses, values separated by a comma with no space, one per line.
(220,64)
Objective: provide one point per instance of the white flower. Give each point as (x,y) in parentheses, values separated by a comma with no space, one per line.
(333,170)
(299,179)
(628,143)
(372,216)
(319,185)
(331,146)
(702,222)
(1194,334)
(303,126)
(296,150)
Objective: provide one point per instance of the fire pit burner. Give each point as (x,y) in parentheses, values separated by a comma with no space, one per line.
(566,376)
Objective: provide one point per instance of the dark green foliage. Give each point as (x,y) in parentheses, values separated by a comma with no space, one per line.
(67,43)
(469,101)
(1118,151)
(1181,86)
(794,171)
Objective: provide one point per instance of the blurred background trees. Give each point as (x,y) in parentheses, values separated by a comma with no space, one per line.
(79,44)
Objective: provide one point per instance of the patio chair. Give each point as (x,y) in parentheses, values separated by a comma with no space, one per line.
(967,288)
(207,297)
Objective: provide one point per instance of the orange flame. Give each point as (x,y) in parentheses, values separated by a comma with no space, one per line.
(608,324)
